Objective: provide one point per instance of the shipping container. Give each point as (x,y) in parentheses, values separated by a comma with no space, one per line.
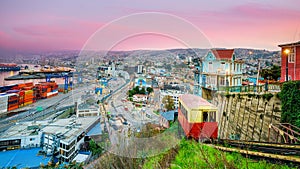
(19,95)
(28,88)
(6,88)
(3,104)
(13,101)
(29,84)
(13,91)
(51,94)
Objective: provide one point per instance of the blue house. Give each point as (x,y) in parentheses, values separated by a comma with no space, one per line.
(166,117)
(217,70)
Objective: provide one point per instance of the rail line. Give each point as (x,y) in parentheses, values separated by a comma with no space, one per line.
(31,115)
(286,153)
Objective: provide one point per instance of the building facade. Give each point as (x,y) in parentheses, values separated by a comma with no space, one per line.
(87,110)
(174,94)
(61,138)
(218,69)
(140,69)
(139,98)
(290,57)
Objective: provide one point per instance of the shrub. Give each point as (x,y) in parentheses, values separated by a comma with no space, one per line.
(290,103)
(267,96)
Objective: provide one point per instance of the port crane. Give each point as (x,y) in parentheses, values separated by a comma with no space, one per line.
(63,75)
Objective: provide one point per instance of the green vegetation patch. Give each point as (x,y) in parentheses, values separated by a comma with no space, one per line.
(290,102)
(138,90)
(193,155)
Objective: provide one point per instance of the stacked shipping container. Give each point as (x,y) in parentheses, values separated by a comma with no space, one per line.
(13,101)
(28,97)
(24,94)
(46,90)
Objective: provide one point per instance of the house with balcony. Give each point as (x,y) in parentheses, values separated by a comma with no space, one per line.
(219,69)
(290,61)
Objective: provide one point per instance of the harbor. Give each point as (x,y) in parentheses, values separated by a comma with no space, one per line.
(33,73)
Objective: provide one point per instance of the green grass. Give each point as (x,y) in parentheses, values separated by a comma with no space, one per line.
(193,155)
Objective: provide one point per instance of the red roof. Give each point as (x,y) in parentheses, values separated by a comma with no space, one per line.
(223,53)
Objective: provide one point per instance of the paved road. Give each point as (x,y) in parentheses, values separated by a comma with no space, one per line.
(136,117)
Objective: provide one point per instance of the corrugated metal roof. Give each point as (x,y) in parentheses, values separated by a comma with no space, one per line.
(169,115)
(193,101)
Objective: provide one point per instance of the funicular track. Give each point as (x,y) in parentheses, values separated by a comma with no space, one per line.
(284,153)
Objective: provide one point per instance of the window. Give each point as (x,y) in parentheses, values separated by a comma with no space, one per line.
(210,66)
(212,116)
(213,80)
(183,111)
(208,80)
(223,65)
(205,116)
(291,55)
(222,81)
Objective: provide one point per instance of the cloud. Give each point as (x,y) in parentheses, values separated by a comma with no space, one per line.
(70,34)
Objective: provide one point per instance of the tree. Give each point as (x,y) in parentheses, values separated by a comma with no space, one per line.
(168,103)
(149,90)
(136,89)
(273,74)
(131,93)
(142,91)
(95,148)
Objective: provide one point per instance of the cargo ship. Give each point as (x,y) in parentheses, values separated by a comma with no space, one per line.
(9,67)
(16,96)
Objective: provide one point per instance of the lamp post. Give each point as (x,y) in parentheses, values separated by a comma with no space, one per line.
(218,82)
(286,51)
(227,82)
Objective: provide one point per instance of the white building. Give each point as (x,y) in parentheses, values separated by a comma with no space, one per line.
(65,136)
(139,98)
(62,137)
(140,69)
(87,110)
(173,93)
(21,135)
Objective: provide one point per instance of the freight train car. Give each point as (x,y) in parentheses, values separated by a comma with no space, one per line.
(197,117)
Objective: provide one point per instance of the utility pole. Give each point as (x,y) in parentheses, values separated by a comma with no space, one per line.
(258,69)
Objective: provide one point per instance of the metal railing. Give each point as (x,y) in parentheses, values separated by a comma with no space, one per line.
(250,88)
(284,133)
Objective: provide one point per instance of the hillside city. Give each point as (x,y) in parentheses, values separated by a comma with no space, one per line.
(149,84)
(105,100)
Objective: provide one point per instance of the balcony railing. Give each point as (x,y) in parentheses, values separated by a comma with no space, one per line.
(250,88)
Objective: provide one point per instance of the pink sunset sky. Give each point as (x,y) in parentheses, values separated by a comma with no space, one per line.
(35,25)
